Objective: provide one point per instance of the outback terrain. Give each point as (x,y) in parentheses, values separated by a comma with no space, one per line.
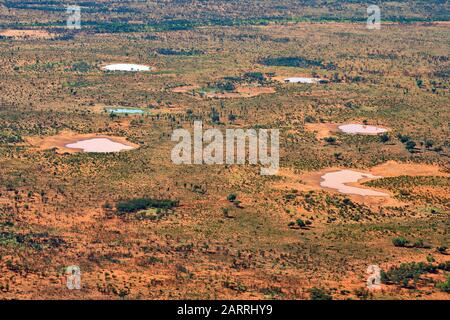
(141,227)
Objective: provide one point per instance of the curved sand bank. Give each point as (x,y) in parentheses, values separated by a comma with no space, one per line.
(338,180)
(332,180)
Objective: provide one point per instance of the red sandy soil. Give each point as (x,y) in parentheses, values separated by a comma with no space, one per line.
(22,34)
(242,92)
(184,89)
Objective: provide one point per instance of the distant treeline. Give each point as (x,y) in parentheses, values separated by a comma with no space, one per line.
(298,62)
(171,52)
(185,24)
(290,10)
(59,6)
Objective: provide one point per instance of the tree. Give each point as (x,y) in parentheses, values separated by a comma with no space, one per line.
(310,119)
(231,117)
(441,249)
(215,117)
(254,76)
(403,138)
(330,140)
(301,223)
(428,144)
(419,83)
(384,137)
(338,155)
(410,145)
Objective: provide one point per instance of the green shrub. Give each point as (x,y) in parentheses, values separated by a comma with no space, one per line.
(319,294)
(444,286)
(254,76)
(407,271)
(298,62)
(410,145)
(301,223)
(384,137)
(441,249)
(420,244)
(330,140)
(225,86)
(81,66)
(444,266)
(403,138)
(135,205)
(400,242)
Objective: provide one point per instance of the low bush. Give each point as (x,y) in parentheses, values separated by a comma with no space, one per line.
(319,294)
(400,242)
(134,205)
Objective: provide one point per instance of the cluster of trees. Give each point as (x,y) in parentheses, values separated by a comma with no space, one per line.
(298,62)
(171,52)
(254,76)
(229,83)
(402,242)
(81,66)
(9,137)
(134,205)
(406,272)
(406,140)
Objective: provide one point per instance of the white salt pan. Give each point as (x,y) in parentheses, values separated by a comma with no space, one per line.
(126,67)
(337,180)
(101,145)
(361,129)
(302,80)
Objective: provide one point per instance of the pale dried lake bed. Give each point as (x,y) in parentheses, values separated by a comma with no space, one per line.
(126,67)
(99,145)
(354,128)
(338,180)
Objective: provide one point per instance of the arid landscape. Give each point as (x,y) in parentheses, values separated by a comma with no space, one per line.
(87,117)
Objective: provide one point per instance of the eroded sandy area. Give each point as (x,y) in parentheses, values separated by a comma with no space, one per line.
(24,34)
(242,92)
